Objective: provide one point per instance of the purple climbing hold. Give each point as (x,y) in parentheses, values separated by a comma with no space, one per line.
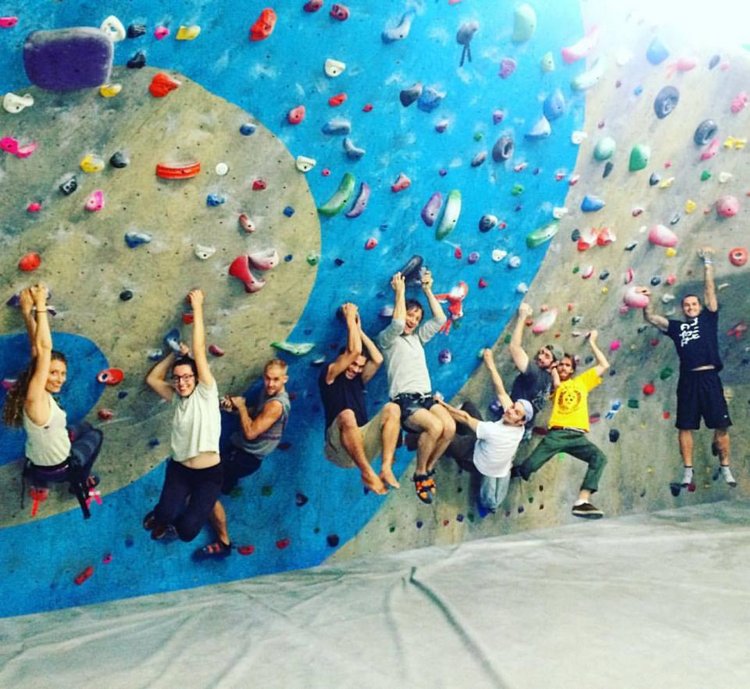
(507,67)
(68,59)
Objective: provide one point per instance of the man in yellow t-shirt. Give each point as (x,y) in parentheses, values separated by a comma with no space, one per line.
(568,426)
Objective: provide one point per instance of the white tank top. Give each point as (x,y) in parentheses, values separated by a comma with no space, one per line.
(49,444)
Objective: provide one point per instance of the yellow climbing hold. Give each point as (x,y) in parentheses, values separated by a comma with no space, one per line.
(605,290)
(92,163)
(666,183)
(690,206)
(109,90)
(734,142)
(188,33)
(670,252)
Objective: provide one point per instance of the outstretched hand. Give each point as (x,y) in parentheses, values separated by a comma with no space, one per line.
(398,283)
(25,301)
(426,280)
(195,297)
(524,310)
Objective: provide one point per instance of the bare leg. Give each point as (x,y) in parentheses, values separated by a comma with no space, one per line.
(432,431)
(685,438)
(584,495)
(721,440)
(218,519)
(351,439)
(389,436)
(446,435)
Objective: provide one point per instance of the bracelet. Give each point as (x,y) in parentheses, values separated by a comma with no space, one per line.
(707,262)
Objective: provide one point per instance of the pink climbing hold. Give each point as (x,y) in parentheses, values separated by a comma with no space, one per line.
(402,182)
(215,350)
(240,269)
(507,67)
(296,115)
(339,12)
(582,48)
(615,345)
(263,26)
(11,145)
(30,262)
(312,5)
(266,259)
(283,543)
(34,207)
(727,206)
(544,322)
(111,376)
(95,201)
(161,32)
(635,299)
(371,243)
(711,150)
(105,414)
(8,22)
(660,235)
(246,224)
(259,185)
(739,102)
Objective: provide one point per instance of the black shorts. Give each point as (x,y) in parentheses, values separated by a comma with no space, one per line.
(409,403)
(700,394)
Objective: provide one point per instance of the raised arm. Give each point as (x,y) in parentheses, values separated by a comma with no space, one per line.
(648,312)
(601,361)
(195,298)
(374,357)
(709,286)
(497,382)
(267,417)
(393,330)
(156,378)
(460,415)
(353,344)
(435,306)
(36,404)
(517,353)
(26,304)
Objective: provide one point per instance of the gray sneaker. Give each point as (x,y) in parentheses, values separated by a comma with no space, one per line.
(587,511)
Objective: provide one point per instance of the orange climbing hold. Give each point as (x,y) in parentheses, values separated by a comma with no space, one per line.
(111,376)
(178,171)
(30,261)
(738,256)
(263,26)
(162,84)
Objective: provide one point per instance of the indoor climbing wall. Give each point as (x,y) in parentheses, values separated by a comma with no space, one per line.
(289,158)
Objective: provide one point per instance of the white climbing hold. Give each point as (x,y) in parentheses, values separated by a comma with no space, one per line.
(578,137)
(221,169)
(114,29)
(204,252)
(13,103)
(334,68)
(305,164)
(498,255)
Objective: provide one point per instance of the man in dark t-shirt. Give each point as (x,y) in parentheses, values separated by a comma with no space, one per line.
(699,390)
(352,440)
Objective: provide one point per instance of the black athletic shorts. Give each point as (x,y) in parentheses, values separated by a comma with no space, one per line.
(700,394)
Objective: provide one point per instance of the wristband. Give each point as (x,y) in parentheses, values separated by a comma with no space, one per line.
(707,262)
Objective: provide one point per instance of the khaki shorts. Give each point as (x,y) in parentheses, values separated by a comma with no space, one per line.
(370,434)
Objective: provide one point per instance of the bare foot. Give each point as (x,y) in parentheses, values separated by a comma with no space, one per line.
(387,475)
(373,483)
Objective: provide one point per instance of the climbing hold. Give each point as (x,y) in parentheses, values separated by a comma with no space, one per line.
(445,356)
(402,182)
(429,99)
(283,543)
(297,349)
(738,256)
(524,23)
(69,185)
(587,272)
(639,157)
(134,239)
(410,95)
(266,259)
(704,132)
(739,102)
(614,435)
(137,61)
(136,30)
(727,206)
(581,48)
(84,575)
(635,299)
(247,128)
(591,204)
(464,36)
(221,169)
(334,68)
(240,269)
(110,376)
(305,164)
(12,146)
(649,389)
(450,215)
(259,185)
(105,414)
(340,198)
(34,207)
(339,12)
(665,373)
(656,52)
(352,151)
(541,235)
(432,208)
(513,261)
(487,222)
(215,350)
(401,30)
(95,201)
(8,22)
(296,115)
(589,78)
(337,100)
(162,84)
(507,67)
(213,200)
(545,321)
(312,6)
(204,252)
(15,104)
(188,33)
(503,149)
(666,101)
(91,163)
(547,63)
(473,257)
(662,236)
(263,26)
(517,189)
(360,203)
(29,262)
(246,223)
(540,130)
(371,243)
(161,32)
(478,159)
(113,29)
(337,126)
(412,270)
(554,105)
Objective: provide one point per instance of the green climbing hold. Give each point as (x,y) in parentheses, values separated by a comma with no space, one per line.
(297,349)
(605,148)
(341,196)
(665,373)
(478,136)
(524,23)
(705,176)
(517,189)
(450,215)
(633,403)
(639,157)
(541,235)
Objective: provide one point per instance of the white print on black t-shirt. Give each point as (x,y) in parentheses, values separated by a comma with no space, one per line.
(689,331)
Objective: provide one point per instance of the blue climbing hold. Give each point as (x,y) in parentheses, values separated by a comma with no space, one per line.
(429,99)
(591,204)
(554,105)
(657,52)
(247,128)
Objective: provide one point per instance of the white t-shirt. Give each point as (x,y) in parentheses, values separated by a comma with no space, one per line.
(48,444)
(196,425)
(496,446)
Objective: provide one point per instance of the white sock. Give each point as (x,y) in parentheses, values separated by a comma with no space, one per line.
(687,476)
(726,472)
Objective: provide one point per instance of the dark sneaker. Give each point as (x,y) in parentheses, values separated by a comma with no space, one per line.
(149,521)
(587,511)
(213,551)
(164,533)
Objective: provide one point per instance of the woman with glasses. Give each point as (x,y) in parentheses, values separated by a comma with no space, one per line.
(193,476)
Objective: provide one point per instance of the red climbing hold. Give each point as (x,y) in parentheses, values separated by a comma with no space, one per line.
(282,543)
(30,261)
(738,256)
(111,376)
(215,350)
(162,84)
(296,115)
(263,26)
(178,171)
(312,5)
(649,389)
(246,549)
(367,107)
(240,269)
(339,12)
(402,182)
(371,243)
(34,207)
(105,414)
(83,575)
(338,99)
(259,185)
(482,283)
(187,318)
(457,253)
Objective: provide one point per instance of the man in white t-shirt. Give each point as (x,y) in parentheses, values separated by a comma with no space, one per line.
(491,445)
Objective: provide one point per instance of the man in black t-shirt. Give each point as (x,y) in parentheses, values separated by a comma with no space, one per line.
(699,389)
(352,440)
